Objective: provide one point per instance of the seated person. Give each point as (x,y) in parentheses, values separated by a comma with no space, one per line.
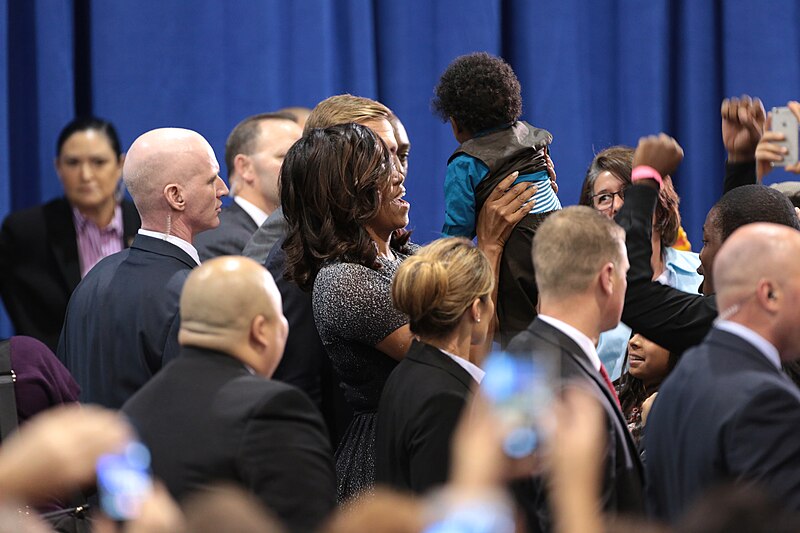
(479,95)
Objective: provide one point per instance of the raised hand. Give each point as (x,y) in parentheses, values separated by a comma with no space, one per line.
(769,151)
(742,127)
(661,152)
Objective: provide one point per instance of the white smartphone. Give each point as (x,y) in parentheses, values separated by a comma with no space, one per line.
(784,121)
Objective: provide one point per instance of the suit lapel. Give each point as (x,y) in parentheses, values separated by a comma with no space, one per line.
(559,339)
(63,241)
(431,356)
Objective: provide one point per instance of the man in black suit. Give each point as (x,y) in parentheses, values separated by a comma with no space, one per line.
(121,322)
(726,412)
(254,153)
(581,264)
(213,415)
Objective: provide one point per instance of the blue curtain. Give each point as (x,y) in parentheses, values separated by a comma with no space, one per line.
(593,72)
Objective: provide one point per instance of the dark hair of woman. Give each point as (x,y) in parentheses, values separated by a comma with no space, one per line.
(618,160)
(89,123)
(332,182)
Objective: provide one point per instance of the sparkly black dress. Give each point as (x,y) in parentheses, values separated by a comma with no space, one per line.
(353,311)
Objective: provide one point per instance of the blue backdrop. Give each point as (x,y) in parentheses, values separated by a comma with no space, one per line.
(593,72)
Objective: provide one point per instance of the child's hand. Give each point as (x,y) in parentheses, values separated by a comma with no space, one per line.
(551,171)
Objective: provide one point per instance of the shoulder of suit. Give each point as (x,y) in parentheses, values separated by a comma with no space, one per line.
(57,208)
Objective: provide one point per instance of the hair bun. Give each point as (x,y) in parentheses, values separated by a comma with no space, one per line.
(420,286)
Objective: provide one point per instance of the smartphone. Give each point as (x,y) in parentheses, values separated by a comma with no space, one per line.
(124,481)
(784,121)
(520,388)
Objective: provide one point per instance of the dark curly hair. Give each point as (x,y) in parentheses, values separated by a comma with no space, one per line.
(618,160)
(331,185)
(479,91)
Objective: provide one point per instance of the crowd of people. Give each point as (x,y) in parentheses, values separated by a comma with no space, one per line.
(294,362)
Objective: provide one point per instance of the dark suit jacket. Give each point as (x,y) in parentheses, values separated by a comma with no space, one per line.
(669,317)
(623,479)
(273,229)
(229,238)
(40,266)
(420,406)
(207,419)
(122,322)
(724,413)
(305,363)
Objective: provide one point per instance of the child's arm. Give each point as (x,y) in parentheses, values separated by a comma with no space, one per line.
(463,175)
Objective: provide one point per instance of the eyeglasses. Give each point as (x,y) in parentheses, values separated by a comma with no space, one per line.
(605,200)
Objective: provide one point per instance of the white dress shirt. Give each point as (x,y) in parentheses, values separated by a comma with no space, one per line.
(473,369)
(258,215)
(172,239)
(584,342)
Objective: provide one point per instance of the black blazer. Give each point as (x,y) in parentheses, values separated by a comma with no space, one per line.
(724,413)
(669,317)
(40,266)
(230,237)
(623,478)
(207,419)
(420,407)
(305,363)
(122,321)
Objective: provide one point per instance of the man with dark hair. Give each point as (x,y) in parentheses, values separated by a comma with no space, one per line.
(743,205)
(253,154)
(727,407)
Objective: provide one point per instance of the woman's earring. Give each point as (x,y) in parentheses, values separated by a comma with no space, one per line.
(478,320)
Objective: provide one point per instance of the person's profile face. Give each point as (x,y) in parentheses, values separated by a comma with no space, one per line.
(275,139)
(89,170)
(403,144)
(647,361)
(712,240)
(204,191)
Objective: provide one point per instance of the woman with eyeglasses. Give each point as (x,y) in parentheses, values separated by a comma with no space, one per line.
(607,178)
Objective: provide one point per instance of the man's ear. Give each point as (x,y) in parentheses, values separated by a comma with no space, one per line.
(175,197)
(243,167)
(259,336)
(606,278)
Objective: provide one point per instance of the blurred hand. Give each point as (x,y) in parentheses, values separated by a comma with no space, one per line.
(58,450)
(579,441)
(646,406)
(769,151)
(661,152)
(502,211)
(742,127)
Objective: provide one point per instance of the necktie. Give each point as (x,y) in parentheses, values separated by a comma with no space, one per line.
(610,385)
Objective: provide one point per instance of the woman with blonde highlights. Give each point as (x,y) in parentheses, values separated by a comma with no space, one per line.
(446,291)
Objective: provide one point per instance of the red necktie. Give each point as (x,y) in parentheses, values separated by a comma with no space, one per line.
(610,385)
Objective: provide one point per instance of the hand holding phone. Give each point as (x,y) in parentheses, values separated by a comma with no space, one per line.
(784,121)
(124,481)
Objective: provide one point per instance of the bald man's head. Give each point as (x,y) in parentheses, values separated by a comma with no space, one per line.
(231,304)
(161,157)
(757,279)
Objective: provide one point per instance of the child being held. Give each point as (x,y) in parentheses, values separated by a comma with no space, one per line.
(480,96)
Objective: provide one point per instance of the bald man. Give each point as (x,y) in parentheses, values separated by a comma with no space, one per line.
(122,320)
(213,415)
(727,413)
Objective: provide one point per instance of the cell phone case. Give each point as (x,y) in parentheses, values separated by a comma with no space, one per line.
(784,121)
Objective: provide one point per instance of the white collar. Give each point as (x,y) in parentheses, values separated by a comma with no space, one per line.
(584,342)
(474,370)
(256,213)
(172,239)
(762,345)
